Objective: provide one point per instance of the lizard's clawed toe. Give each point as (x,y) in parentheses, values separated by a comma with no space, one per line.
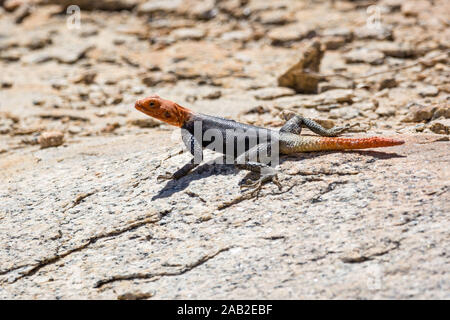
(162,177)
(248,183)
(255,187)
(348,127)
(277,182)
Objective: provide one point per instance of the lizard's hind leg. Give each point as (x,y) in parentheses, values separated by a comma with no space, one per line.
(294,125)
(266,173)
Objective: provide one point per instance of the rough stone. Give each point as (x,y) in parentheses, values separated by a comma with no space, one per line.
(10,56)
(387,83)
(237,35)
(62,54)
(298,77)
(427,90)
(188,34)
(414,8)
(6,126)
(335,96)
(345,113)
(275,17)
(273,93)
(385,110)
(51,139)
(434,57)
(110,5)
(442,110)
(335,84)
(419,113)
(85,77)
(151,7)
(201,10)
(363,55)
(6,84)
(288,34)
(333,43)
(342,32)
(384,32)
(144,123)
(11,5)
(394,49)
(156,78)
(440,126)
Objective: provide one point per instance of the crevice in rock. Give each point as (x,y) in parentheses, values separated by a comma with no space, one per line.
(248,196)
(3,272)
(326,173)
(150,275)
(330,187)
(80,198)
(155,217)
(366,257)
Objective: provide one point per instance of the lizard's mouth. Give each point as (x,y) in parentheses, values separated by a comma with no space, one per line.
(150,113)
(138,106)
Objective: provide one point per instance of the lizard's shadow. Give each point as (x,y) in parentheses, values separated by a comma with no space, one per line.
(205,170)
(374,154)
(377,154)
(213,168)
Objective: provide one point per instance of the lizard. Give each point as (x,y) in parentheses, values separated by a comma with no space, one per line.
(246,153)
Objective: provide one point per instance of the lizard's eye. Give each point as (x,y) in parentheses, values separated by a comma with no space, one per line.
(152,104)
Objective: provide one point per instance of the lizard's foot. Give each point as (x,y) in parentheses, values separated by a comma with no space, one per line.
(254,187)
(179,173)
(163,177)
(339,130)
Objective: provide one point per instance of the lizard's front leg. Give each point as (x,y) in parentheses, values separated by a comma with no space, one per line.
(195,148)
(183,171)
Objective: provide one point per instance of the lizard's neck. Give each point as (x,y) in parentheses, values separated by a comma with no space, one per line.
(182,114)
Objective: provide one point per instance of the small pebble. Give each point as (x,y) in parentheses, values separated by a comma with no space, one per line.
(51,139)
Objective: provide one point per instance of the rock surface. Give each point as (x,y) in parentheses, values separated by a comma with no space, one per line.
(86,218)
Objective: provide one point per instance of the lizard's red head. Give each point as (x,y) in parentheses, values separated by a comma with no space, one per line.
(164,110)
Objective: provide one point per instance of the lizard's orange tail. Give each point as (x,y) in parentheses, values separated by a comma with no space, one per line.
(357,143)
(315,143)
